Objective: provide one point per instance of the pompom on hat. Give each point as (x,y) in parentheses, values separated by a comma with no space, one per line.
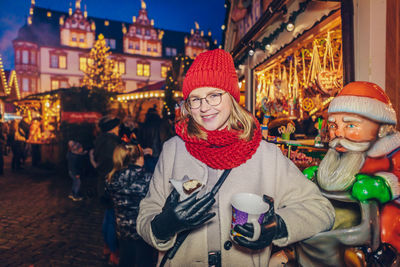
(365,99)
(214,68)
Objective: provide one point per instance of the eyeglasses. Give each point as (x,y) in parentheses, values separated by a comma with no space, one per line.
(213,99)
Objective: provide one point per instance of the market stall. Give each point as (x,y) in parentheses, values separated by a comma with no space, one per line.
(61,115)
(295,87)
(42,112)
(302,79)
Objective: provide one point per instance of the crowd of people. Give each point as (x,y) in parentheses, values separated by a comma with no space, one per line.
(18,137)
(124,156)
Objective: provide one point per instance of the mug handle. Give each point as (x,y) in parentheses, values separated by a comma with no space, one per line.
(257,230)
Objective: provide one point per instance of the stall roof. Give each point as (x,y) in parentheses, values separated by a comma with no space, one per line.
(151,87)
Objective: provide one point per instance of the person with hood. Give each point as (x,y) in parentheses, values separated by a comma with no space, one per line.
(104,147)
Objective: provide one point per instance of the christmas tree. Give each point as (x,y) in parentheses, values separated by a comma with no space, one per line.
(173,83)
(100,71)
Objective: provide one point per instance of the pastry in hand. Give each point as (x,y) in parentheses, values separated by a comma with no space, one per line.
(191,186)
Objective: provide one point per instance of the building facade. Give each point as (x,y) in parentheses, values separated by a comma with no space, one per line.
(52,48)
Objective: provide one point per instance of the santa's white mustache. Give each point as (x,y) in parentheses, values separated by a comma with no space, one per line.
(349,145)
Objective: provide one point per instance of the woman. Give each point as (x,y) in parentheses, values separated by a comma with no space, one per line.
(127,184)
(216,134)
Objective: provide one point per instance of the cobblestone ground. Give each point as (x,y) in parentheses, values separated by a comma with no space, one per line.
(41,226)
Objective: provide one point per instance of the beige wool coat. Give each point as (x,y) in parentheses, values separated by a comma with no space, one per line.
(297,200)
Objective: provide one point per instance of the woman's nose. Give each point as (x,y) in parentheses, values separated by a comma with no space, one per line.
(204,105)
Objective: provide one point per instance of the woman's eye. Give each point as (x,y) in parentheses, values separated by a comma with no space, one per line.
(213,95)
(351,126)
(332,126)
(195,99)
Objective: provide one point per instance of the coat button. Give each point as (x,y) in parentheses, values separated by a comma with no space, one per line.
(227,245)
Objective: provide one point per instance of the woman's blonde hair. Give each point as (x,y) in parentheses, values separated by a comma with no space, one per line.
(239,119)
(123,156)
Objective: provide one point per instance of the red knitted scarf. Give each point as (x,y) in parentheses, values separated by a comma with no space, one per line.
(223,149)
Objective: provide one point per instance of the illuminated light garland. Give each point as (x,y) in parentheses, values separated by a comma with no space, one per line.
(149,94)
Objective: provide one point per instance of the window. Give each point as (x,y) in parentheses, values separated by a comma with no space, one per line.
(58,61)
(63,84)
(73,37)
(148,48)
(57,83)
(82,63)
(170,52)
(143,69)
(138,31)
(130,45)
(33,85)
(25,57)
(119,66)
(164,70)
(17,56)
(146,70)
(33,57)
(81,38)
(25,84)
(112,43)
(137,46)
(147,32)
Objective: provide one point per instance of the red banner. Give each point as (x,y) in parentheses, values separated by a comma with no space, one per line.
(79,117)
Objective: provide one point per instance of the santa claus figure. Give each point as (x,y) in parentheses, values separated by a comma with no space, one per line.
(364,154)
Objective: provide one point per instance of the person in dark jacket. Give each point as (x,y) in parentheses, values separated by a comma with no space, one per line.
(152,133)
(75,156)
(127,184)
(103,150)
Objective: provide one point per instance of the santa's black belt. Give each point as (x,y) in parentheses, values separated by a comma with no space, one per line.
(214,259)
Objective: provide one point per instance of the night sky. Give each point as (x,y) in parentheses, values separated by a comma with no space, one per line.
(178,15)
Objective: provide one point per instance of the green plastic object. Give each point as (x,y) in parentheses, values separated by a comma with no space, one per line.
(310,172)
(371,187)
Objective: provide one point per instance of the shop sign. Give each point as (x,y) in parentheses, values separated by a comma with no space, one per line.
(328,82)
(79,117)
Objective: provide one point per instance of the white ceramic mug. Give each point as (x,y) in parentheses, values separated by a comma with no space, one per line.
(248,208)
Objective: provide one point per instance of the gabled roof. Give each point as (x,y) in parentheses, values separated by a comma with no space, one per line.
(151,87)
(45,31)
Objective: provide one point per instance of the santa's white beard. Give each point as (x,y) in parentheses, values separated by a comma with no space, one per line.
(337,170)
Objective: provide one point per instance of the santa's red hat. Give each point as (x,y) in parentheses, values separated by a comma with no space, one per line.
(365,99)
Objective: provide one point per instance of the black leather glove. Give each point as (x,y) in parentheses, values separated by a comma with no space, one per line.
(179,216)
(272,227)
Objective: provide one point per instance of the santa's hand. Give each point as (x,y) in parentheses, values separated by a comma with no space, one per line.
(371,187)
(310,172)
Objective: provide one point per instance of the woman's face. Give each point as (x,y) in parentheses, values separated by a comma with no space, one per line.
(211,117)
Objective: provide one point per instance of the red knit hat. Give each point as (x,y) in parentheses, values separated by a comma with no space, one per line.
(365,99)
(213,68)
